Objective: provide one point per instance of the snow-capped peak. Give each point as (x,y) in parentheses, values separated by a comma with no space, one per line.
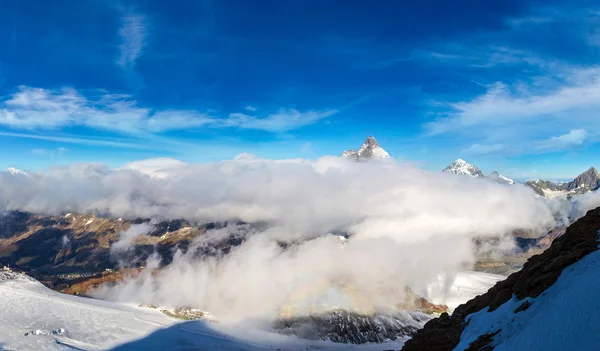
(14,171)
(462,167)
(499,178)
(370,149)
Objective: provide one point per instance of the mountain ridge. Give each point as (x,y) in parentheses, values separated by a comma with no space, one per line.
(584,182)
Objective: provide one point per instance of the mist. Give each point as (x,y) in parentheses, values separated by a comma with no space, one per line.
(407,227)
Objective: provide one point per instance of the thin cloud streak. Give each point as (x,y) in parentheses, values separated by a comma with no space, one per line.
(75,140)
(133,33)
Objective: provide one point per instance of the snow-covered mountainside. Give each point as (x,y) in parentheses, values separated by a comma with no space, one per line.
(499,178)
(369,150)
(462,167)
(36,318)
(555,291)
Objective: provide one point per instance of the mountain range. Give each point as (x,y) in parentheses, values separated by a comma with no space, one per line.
(462,167)
(586,181)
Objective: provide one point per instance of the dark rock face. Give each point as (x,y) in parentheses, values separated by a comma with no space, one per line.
(537,275)
(348,327)
(588,180)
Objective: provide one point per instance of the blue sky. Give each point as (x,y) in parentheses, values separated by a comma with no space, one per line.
(512,86)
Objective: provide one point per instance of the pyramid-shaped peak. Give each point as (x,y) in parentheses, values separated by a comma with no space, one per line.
(462,167)
(588,180)
(370,149)
(371,141)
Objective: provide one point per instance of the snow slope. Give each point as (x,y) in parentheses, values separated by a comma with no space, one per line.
(500,179)
(564,317)
(34,317)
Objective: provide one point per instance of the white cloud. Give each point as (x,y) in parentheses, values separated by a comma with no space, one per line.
(127,237)
(250,108)
(133,32)
(573,138)
(479,149)
(75,140)
(160,167)
(401,220)
(522,115)
(51,153)
(36,108)
(282,121)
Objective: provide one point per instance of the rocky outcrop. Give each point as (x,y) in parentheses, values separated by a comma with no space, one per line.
(537,275)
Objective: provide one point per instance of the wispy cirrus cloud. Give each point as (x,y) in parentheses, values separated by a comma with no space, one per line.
(75,140)
(482,149)
(573,138)
(44,109)
(537,99)
(574,99)
(50,153)
(132,33)
(282,121)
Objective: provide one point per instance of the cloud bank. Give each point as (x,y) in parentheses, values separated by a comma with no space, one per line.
(407,227)
(32,108)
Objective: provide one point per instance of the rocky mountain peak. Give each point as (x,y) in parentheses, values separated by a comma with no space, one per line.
(590,180)
(462,167)
(370,149)
(371,142)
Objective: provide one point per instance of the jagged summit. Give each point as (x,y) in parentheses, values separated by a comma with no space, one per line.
(370,149)
(589,179)
(462,167)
